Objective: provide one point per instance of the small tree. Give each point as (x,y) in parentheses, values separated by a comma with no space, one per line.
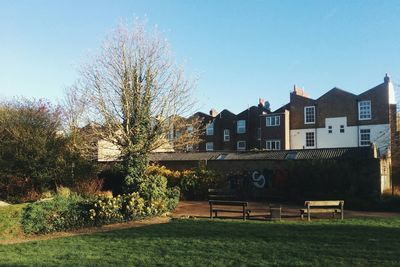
(134,93)
(31,146)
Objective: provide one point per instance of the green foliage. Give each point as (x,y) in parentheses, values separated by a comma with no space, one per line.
(193,184)
(103,210)
(173,196)
(73,211)
(63,191)
(58,214)
(35,156)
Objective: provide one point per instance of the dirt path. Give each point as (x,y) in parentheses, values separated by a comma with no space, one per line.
(259,211)
(91,230)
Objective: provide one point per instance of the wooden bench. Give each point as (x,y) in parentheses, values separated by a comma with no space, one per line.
(242,205)
(328,206)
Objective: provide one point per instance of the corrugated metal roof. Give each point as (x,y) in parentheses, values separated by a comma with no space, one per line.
(303,154)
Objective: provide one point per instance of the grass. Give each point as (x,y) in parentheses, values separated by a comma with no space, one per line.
(352,242)
(10,222)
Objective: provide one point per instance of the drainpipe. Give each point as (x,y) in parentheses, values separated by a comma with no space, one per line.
(316,127)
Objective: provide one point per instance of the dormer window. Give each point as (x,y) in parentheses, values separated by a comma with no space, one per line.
(364,110)
(273,121)
(309,115)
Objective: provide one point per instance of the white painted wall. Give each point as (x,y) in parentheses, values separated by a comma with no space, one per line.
(380,135)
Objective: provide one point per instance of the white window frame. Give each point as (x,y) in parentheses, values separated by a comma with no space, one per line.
(362,133)
(210,128)
(272,121)
(241,126)
(306,117)
(227,135)
(241,148)
(313,140)
(330,130)
(364,110)
(190,129)
(273,144)
(341,129)
(208,148)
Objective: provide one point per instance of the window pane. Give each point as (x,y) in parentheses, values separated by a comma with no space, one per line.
(309,114)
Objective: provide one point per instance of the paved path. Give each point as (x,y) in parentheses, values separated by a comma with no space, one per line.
(2,204)
(259,210)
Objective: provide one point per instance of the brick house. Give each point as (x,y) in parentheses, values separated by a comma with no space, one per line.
(336,119)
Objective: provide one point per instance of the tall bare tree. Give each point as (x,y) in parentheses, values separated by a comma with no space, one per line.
(134,92)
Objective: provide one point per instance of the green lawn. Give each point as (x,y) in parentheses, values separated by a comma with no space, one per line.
(352,242)
(10,217)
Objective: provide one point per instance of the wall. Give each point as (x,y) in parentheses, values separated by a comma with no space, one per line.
(299,179)
(380,135)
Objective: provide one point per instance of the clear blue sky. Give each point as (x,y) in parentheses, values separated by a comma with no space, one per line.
(241,50)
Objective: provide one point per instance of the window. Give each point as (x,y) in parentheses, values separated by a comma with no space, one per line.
(210,129)
(273,121)
(329,129)
(189,147)
(310,139)
(364,110)
(258,133)
(241,126)
(365,137)
(226,135)
(241,145)
(341,128)
(309,115)
(291,155)
(222,156)
(209,146)
(273,144)
(190,129)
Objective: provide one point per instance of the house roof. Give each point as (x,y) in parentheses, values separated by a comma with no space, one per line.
(303,154)
(334,91)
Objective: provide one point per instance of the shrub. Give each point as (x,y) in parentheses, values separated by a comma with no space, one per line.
(17,189)
(63,191)
(193,184)
(103,210)
(58,214)
(173,196)
(72,212)
(89,187)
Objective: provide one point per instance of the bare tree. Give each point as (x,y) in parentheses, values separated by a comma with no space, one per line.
(133,92)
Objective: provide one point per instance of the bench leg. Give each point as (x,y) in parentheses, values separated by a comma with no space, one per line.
(342,214)
(302,216)
(244,213)
(211,214)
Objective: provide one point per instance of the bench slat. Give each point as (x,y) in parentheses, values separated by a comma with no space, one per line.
(320,210)
(324,203)
(228,203)
(235,211)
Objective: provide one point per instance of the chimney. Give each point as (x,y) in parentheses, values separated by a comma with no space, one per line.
(386,79)
(213,112)
(261,102)
(299,91)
